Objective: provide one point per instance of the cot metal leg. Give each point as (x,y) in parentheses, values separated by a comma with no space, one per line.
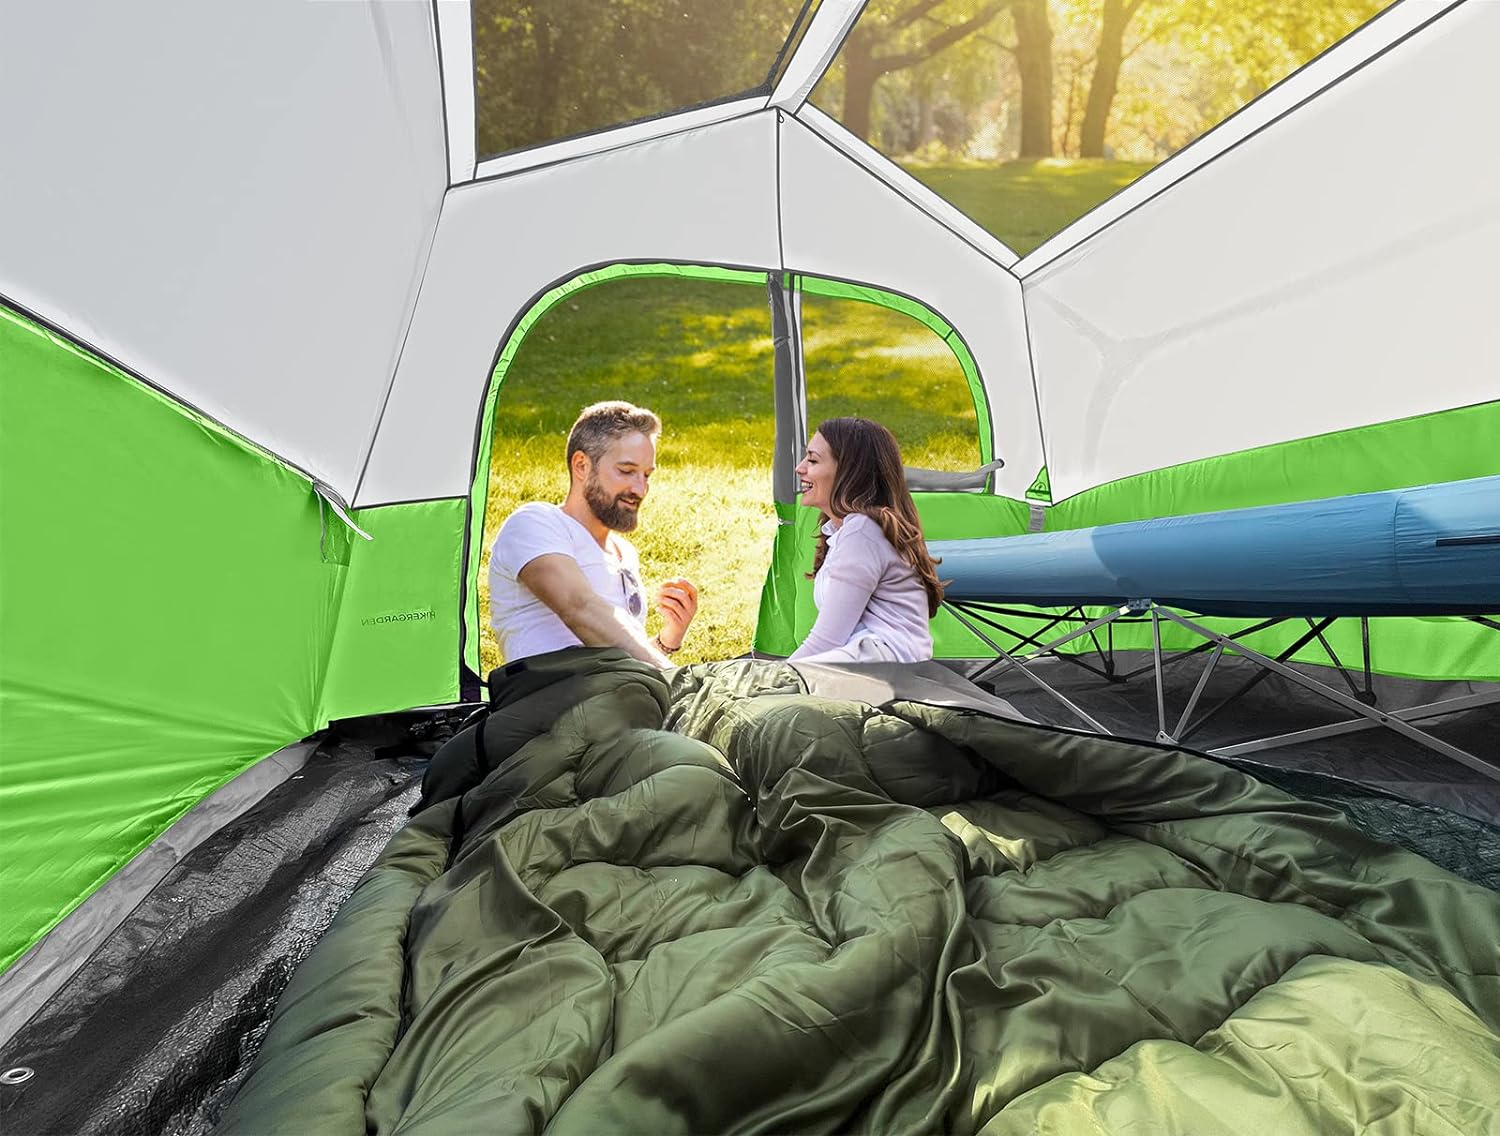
(1376,717)
(1364,636)
(1161,695)
(1173,660)
(1187,713)
(1025,670)
(1250,684)
(982,613)
(1355,725)
(1045,649)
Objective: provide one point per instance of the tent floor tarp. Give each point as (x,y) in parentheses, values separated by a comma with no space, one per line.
(154,1031)
(1376,758)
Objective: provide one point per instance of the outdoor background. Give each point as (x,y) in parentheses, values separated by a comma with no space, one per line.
(1025,114)
(984,100)
(699,353)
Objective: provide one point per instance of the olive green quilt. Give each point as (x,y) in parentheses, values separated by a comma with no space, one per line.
(711,902)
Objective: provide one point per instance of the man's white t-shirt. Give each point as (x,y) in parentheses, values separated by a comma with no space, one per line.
(523,624)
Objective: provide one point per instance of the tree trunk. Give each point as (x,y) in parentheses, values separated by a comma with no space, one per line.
(926,123)
(860,75)
(1034,62)
(1106,81)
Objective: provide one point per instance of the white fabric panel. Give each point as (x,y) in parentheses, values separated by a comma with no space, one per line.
(234,200)
(1390,25)
(704,197)
(839,221)
(928,200)
(825,35)
(1334,271)
(456,33)
(618,137)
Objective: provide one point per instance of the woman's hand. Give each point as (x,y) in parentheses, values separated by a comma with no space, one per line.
(678,603)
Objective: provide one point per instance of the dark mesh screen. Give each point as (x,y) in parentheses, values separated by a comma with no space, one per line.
(559,68)
(1027,114)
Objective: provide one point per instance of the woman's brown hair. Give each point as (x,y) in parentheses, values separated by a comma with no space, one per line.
(870,479)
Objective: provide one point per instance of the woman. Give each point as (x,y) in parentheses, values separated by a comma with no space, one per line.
(873,581)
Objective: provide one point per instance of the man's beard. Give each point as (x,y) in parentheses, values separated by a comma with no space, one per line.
(613,514)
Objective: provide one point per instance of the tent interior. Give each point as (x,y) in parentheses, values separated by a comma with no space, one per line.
(266,269)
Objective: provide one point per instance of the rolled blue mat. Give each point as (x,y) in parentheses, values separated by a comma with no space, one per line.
(1431,550)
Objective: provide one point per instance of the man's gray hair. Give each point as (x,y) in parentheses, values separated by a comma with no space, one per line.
(603,423)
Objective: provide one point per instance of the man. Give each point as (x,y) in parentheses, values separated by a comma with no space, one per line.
(563,575)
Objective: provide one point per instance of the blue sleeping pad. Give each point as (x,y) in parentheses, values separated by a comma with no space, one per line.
(1432,550)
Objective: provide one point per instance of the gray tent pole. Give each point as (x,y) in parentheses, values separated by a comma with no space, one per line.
(790,392)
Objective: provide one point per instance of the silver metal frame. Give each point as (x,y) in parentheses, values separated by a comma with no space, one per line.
(1360,702)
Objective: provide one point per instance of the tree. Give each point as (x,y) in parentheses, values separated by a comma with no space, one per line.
(897,35)
(1033,52)
(1106,81)
(1238,47)
(547,69)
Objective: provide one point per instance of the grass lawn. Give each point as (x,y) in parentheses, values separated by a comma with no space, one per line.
(699,353)
(1024,203)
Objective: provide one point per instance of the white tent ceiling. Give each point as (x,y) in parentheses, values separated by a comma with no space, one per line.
(706,196)
(256,209)
(1306,280)
(233,200)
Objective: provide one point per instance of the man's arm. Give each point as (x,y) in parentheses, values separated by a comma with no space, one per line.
(559,583)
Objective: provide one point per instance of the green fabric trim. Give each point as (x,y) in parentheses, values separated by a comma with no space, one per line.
(174,612)
(776,625)
(839,290)
(1448,445)
(479,486)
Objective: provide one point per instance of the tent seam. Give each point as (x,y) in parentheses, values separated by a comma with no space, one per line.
(411,319)
(176,401)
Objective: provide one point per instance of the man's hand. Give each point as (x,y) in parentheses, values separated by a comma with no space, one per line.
(678,603)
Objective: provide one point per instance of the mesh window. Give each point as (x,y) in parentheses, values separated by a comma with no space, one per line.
(864,359)
(1026,115)
(560,68)
(699,353)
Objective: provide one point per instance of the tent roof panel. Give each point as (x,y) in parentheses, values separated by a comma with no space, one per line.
(1399,20)
(617,137)
(924,198)
(1307,281)
(250,245)
(705,196)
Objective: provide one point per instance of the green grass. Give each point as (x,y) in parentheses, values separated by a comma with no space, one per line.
(1024,203)
(699,353)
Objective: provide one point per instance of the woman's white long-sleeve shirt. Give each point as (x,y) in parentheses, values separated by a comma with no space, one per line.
(864,591)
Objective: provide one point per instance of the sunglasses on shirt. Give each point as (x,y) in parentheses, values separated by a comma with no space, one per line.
(634,604)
